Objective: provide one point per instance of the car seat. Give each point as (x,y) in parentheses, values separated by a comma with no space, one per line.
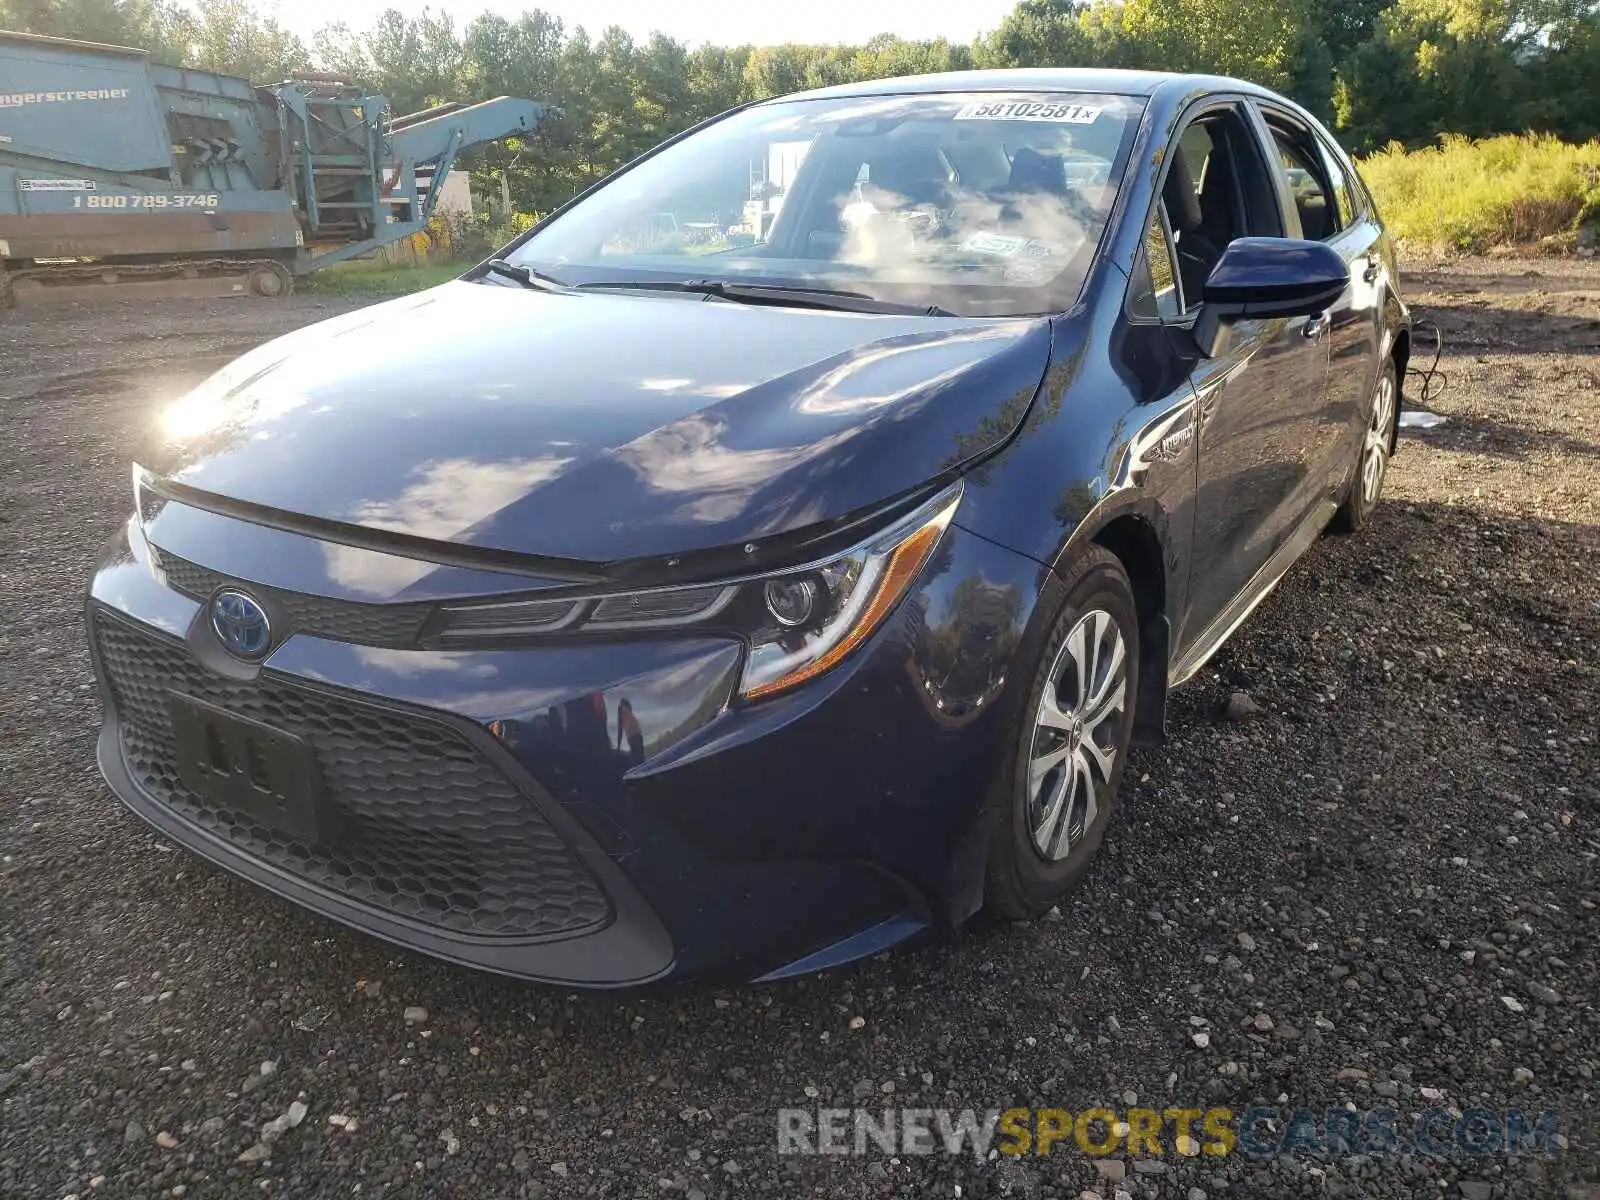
(1035,171)
(1197,252)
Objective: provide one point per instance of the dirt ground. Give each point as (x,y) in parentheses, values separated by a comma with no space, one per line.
(1379,891)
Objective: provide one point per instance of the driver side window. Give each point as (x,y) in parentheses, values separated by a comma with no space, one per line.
(1216,188)
(1155,295)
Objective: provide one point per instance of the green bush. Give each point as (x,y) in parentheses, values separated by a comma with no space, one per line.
(473,238)
(1470,195)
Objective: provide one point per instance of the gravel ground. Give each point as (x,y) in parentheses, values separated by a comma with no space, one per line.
(1379,889)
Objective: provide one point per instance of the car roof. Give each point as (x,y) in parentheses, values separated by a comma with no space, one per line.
(1035,79)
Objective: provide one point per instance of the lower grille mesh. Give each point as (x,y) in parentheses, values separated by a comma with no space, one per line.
(427,829)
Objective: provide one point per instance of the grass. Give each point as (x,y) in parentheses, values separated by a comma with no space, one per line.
(1471,195)
(380,279)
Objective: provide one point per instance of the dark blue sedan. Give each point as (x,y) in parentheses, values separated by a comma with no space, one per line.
(774,552)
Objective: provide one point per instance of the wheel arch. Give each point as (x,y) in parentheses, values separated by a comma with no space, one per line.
(1401,351)
(1138,547)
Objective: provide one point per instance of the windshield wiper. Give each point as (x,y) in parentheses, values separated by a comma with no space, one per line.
(773,293)
(526,276)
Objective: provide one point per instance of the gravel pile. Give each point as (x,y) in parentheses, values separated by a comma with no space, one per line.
(1362,871)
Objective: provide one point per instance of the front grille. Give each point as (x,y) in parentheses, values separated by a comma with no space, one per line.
(426,828)
(390,626)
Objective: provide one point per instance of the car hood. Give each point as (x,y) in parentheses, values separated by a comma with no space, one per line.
(600,427)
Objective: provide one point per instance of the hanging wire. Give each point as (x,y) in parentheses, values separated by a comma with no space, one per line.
(1433,379)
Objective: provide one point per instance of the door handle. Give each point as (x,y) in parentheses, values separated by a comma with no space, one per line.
(1316,324)
(1370,274)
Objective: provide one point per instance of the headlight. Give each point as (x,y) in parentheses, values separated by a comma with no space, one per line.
(843,601)
(798,624)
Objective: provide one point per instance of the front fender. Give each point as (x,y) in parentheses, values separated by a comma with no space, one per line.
(1103,441)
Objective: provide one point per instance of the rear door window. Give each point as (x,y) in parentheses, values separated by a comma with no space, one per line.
(1315,200)
(1345,194)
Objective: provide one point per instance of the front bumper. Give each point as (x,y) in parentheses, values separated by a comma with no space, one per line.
(483,813)
(439,849)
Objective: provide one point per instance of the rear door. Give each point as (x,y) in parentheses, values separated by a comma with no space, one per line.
(1325,206)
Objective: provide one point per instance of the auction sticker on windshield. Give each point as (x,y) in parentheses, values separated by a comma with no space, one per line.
(1029,110)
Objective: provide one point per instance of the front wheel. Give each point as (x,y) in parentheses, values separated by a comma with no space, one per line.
(270,281)
(1055,797)
(1372,462)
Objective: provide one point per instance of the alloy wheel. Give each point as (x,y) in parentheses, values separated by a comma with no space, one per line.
(1375,454)
(1074,741)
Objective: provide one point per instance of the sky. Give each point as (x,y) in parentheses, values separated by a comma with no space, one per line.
(761,22)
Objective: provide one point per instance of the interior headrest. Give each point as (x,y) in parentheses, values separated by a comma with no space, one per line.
(1183,204)
(916,173)
(1034,171)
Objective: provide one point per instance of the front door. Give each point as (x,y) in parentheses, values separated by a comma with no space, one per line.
(1261,401)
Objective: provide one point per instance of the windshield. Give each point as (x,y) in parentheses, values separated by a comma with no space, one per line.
(980,203)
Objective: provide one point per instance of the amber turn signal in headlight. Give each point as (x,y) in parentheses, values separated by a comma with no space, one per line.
(854,593)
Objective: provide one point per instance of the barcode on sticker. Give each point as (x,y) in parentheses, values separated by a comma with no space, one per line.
(1029,110)
(56,185)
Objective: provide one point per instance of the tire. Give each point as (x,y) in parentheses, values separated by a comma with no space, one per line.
(1372,456)
(1030,869)
(271,282)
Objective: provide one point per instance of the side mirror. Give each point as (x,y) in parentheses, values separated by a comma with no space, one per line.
(1263,278)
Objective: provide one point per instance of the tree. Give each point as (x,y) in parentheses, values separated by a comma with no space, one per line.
(505,58)
(1258,40)
(661,104)
(153,25)
(1458,66)
(1039,33)
(416,61)
(612,91)
(886,56)
(1380,69)
(792,67)
(339,49)
(716,79)
(1311,77)
(1568,101)
(232,38)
